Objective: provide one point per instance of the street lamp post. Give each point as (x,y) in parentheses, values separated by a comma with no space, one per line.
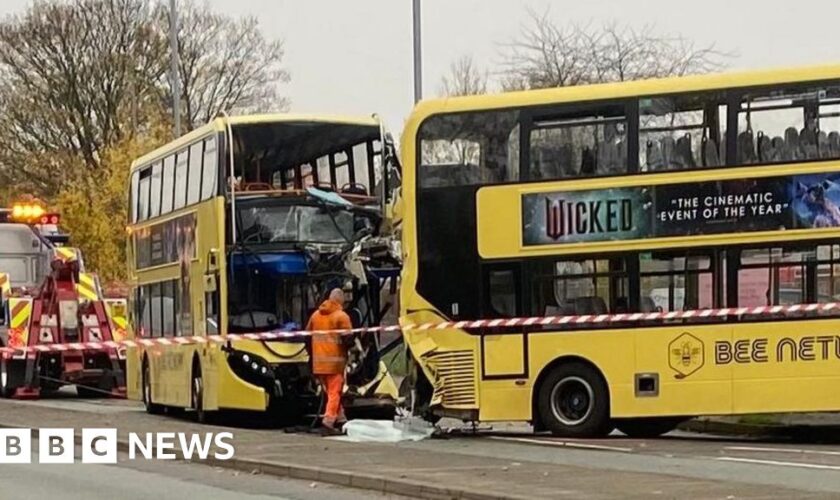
(173,72)
(418,56)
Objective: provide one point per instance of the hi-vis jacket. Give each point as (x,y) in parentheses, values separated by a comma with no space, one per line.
(329,356)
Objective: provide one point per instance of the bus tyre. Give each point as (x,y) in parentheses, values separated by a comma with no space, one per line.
(151,408)
(574,402)
(198,395)
(647,427)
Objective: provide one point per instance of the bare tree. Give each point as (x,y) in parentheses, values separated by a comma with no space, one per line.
(65,76)
(77,76)
(225,65)
(464,78)
(549,55)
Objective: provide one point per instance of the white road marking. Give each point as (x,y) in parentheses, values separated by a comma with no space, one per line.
(782,450)
(563,444)
(779,463)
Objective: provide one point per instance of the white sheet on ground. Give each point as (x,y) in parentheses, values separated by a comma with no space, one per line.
(385,431)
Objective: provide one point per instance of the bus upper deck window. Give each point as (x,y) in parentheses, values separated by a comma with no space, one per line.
(468,149)
(682,132)
(789,125)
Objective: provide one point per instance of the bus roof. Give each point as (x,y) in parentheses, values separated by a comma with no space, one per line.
(219,125)
(618,90)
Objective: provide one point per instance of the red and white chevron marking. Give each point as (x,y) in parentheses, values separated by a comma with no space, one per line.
(481,323)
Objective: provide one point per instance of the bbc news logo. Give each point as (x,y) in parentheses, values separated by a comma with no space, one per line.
(100,446)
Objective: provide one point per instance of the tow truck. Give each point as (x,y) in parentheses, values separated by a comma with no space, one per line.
(48,299)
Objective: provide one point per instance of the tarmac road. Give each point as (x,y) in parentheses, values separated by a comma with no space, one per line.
(509,462)
(159,481)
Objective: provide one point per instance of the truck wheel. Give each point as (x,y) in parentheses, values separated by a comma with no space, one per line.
(647,427)
(573,401)
(151,408)
(10,377)
(198,396)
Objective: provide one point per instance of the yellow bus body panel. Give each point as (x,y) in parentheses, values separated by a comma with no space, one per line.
(695,375)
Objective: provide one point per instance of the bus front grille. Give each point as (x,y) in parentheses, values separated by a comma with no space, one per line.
(454,378)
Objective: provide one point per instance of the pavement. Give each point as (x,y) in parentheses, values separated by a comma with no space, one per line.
(510,462)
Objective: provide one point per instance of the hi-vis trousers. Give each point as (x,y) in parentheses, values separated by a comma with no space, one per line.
(333,384)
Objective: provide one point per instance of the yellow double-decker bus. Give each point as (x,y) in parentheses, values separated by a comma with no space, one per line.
(700,192)
(243,226)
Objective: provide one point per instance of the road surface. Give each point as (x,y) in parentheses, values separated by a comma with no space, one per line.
(145,480)
(508,462)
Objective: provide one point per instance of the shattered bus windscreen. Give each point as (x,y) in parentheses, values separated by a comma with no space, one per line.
(295,224)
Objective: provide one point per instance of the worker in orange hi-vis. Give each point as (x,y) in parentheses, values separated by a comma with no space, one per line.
(329,355)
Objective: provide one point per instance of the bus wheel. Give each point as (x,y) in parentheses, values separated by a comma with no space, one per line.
(574,402)
(198,396)
(151,408)
(647,427)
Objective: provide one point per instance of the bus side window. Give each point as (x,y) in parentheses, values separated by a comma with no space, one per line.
(143,195)
(210,166)
(502,294)
(156,310)
(181,166)
(580,143)
(468,149)
(155,191)
(168,184)
(195,170)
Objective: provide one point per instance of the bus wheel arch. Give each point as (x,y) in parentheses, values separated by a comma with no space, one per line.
(577,380)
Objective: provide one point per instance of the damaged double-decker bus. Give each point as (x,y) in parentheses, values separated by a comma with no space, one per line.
(243,226)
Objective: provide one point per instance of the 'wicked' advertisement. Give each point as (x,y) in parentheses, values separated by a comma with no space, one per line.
(744,205)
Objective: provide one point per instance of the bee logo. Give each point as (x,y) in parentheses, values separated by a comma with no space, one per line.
(686,355)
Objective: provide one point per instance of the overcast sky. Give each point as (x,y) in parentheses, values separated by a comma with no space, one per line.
(354,56)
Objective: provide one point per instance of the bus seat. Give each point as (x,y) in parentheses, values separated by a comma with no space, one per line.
(587,162)
(590,305)
(777,149)
(646,305)
(823,150)
(834,144)
(354,188)
(765,148)
(654,156)
(808,144)
(669,147)
(791,151)
(553,162)
(622,305)
(257,186)
(710,153)
(552,310)
(746,147)
(621,157)
(684,152)
(612,156)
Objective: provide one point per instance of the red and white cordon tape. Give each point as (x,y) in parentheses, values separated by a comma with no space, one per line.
(481,323)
